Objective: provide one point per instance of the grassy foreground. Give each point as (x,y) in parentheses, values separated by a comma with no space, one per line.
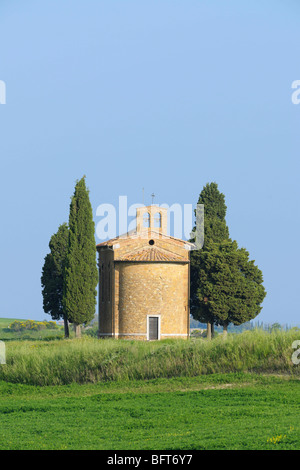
(239,393)
(219,411)
(91,360)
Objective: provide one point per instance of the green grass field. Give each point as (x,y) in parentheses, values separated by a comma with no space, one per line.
(233,411)
(241,393)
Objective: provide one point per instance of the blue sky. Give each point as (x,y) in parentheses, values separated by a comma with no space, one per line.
(161,95)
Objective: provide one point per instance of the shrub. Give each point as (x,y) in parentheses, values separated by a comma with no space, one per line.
(17,325)
(51,325)
(31,325)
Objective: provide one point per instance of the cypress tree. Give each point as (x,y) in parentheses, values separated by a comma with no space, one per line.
(230,288)
(215,227)
(53,276)
(215,231)
(81,276)
(226,287)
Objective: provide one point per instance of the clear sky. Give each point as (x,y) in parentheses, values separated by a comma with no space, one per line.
(164,95)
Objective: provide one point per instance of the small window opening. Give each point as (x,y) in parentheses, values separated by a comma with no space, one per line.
(157,220)
(151,242)
(146,219)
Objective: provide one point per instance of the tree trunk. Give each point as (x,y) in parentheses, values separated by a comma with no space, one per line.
(208,335)
(77,330)
(212,330)
(225,331)
(66,326)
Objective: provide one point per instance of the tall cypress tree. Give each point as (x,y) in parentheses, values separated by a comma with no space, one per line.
(81,276)
(215,231)
(215,227)
(53,276)
(226,287)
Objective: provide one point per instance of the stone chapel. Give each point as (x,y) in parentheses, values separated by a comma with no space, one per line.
(144,281)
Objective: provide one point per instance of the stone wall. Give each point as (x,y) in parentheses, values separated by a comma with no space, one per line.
(143,289)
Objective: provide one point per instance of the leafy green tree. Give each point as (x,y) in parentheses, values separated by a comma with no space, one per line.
(226,287)
(81,275)
(53,276)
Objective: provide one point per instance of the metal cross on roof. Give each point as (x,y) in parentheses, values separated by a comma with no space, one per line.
(153,196)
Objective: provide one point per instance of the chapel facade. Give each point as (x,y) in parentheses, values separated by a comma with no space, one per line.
(144,281)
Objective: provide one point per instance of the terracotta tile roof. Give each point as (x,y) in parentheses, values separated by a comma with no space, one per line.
(151,254)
